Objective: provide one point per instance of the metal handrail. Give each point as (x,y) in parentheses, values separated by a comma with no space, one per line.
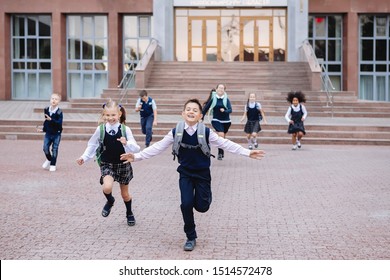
(327,84)
(132,72)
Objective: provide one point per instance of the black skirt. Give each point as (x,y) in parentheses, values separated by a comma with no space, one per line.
(296,127)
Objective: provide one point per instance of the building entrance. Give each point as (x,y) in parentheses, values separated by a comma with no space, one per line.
(230,35)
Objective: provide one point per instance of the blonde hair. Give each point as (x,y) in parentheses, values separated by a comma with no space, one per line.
(111,104)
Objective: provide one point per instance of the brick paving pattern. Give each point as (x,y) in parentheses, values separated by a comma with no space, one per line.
(320,202)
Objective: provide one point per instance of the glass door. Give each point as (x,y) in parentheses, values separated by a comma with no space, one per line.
(204,43)
(256,39)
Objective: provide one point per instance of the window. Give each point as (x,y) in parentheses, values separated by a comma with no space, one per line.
(87,55)
(31,57)
(374,57)
(325,36)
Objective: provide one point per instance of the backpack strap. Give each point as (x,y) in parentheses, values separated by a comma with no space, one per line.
(177,139)
(123,131)
(202,139)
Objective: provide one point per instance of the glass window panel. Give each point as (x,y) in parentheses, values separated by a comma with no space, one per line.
(181,39)
(87,66)
(19,85)
(44,48)
(101,82)
(366,87)
(45,86)
(18,26)
(336,82)
(18,48)
(142,45)
(334,50)
(334,68)
(180,12)
(32,85)
(32,65)
(367,26)
(44,26)
(320,24)
(263,31)
(130,26)
(88,88)
(101,66)
(45,65)
(74,24)
(100,27)
(19,65)
(31,26)
(101,49)
(249,54)
(380,50)
(264,54)
(87,49)
(381,26)
(88,27)
(73,66)
(381,88)
(144,27)
(211,54)
(331,26)
(366,68)
(320,49)
(201,12)
(367,50)
(75,85)
(230,38)
(197,54)
(249,33)
(74,49)
(131,49)
(211,32)
(196,31)
(32,48)
(380,68)
(279,27)
(311,23)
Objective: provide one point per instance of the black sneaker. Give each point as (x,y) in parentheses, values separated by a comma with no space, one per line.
(130,220)
(189,245)
(220,156)
(107,209)
(101,180)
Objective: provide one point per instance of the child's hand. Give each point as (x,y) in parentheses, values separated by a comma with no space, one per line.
(122,140)
(80,161)
(292,122)
(257,154)
(242,119)
(302,119)
(129,157)
(47,117)
(155,123)
(222,110)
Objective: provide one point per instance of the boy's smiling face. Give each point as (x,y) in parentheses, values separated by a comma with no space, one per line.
(192,113)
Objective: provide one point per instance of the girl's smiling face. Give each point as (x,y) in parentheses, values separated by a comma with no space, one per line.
(252,97)
(192,113)
(220,89)
(111,115)
(295,101)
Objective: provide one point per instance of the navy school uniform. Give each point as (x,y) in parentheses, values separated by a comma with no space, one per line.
(194,180)
(298,123)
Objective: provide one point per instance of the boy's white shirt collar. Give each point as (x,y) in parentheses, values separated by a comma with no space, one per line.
(193,128)
(53,110)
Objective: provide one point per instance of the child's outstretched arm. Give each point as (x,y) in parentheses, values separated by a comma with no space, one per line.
(257,154)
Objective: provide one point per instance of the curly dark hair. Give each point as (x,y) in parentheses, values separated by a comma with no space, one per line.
(296,94)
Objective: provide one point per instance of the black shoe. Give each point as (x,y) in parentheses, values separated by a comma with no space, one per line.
(220,156)
(189,245)
(101,180)
(107,209)
(130,220)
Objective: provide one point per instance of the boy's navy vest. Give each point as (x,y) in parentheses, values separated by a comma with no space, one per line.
(147,108)
(190,154)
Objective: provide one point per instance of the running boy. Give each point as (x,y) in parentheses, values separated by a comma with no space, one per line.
(194,160)
(146,106)
(52,126)
(112,168)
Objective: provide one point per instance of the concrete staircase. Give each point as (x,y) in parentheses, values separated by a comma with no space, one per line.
(349,121)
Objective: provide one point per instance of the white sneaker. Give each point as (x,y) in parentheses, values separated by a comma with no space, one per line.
(46,164)
(250,147)
(52,168)
(294,147)
(299,144)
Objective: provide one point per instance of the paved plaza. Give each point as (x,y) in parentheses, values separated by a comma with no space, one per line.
(320,202)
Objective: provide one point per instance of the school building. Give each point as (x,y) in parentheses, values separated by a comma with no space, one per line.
(80,48)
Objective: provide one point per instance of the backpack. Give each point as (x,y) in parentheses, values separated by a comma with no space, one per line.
(100,150)
(202,141)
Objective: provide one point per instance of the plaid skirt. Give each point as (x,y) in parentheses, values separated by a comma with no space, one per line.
(252,127)
(121,172)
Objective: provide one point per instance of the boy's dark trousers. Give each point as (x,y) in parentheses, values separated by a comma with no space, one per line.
(147,126)
(195,191)
(52,140)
